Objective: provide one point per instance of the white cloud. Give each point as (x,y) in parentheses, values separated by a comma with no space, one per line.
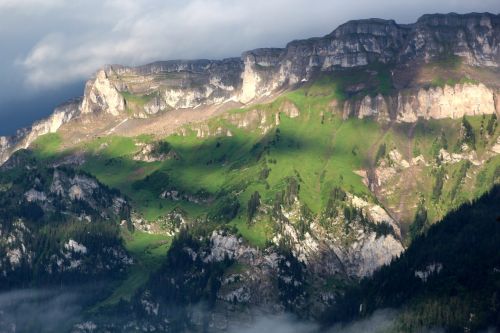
(29,4)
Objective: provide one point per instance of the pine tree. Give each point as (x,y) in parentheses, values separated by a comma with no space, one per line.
(252,206)
(492,125)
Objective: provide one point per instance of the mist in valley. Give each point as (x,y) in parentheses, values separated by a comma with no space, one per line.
(59,310)
(46,310)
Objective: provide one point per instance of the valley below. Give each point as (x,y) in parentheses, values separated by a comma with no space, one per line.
(347,183)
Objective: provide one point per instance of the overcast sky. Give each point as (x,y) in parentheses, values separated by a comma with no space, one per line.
(49,47)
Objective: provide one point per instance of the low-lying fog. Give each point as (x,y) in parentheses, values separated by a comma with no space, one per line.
(40,311)
(58,310)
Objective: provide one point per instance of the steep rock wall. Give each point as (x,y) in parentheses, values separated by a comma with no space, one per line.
(259,72)
(432,103)
(101,95)
(181,84)
(474,37)
(447,102)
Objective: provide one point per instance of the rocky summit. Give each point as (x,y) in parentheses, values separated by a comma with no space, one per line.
(329,179)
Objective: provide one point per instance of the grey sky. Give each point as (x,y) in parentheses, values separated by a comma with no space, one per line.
(51,46)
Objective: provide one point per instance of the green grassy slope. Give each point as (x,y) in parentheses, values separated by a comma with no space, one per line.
(216,173)
(318,148)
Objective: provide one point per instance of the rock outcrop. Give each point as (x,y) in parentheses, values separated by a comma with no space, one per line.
(179,83)
(341,244)
(407,106)
(475,37)
(448,102)
(101,95)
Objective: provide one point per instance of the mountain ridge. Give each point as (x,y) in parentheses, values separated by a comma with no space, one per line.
(262,72)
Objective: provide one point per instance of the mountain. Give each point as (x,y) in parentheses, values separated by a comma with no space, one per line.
(212,192)
(129,93)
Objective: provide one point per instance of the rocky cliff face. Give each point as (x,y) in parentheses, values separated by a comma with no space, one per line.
(260,72)
(475,37)
(344,242)
(426,103)
(101,95)
(179,84)
(356,43)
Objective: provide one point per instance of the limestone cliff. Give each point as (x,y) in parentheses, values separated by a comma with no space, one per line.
(475,37)
(327,247)
(258,73)
(101,95)
(46,190)
(426,103)
(178,84)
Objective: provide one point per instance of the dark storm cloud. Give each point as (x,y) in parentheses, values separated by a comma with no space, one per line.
(47,44)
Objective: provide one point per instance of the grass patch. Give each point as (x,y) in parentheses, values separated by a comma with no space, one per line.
(140,100)
(148,252)
(441,82)
(47,146)
(449,61)
(258,234)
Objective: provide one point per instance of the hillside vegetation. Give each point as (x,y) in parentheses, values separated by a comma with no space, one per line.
(277,177)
